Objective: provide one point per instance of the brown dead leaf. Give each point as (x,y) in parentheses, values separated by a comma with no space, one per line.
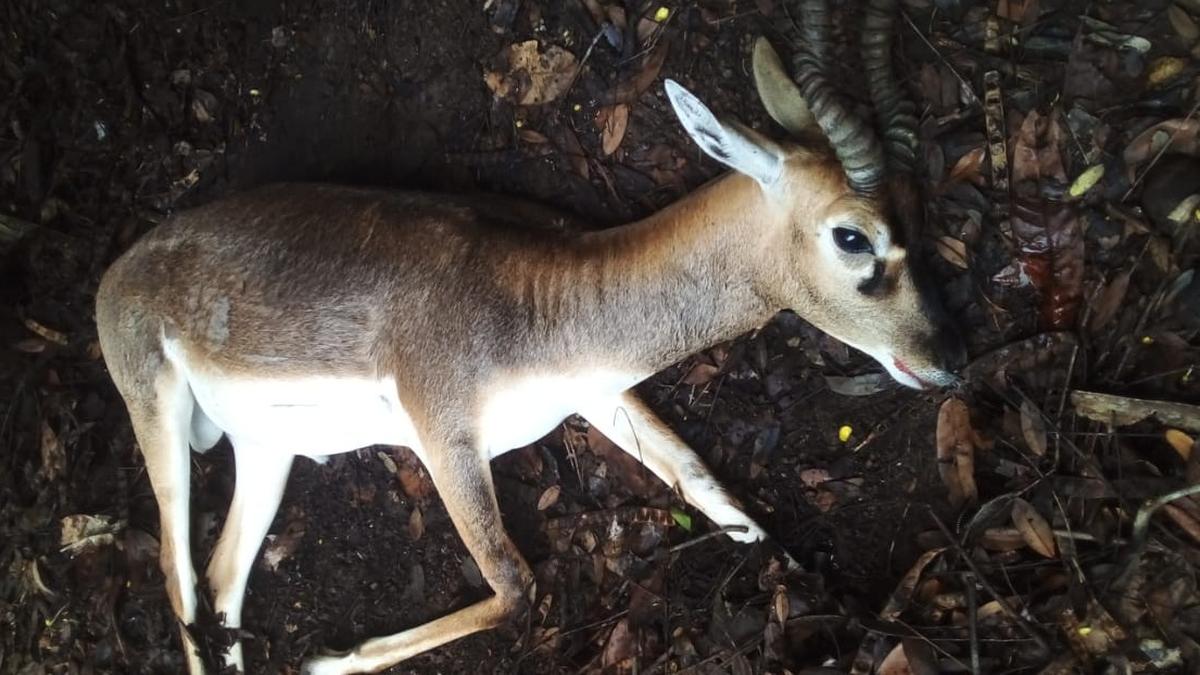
(968,167)
(549,497)
(416,524)
(568,144)
(1037,154)
(621,646)
(895,663)
(701,373)
(81,532)
(54,455)
(612,120)
(1033,428)
(532,137)
(530,76)
(1184,520)
(953,251)
(1110,301)
(902,596)
(1049,236)
(1002,539)
(1033,528)
(1018,11)
(48,334)
(629,87)
(1183,23)
(1180,135)
(280,547)
(956,451)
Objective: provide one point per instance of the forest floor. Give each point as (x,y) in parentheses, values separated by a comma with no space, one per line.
(993,529)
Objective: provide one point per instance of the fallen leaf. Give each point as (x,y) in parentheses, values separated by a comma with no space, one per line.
(1110,302)
(1183,23)
(967,168)
(568,144)
(1033,428)
(549,497)
(82,532)
(895,663)
(1002,539)
(631,86)
(1086,180)
(681,519)
(956,451)
(1181,135)
(530,76)
(701,373)
(1033,528)
(1164,69)
(1184,520)
(859,385)
(612,120)
(1182,443)
(1049,237)
(953,251)
(1037,154)
(48,334)
(416,524)
(54,455)
(1018,11)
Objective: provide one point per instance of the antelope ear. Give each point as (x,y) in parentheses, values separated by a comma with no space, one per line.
(778,91)
(733,145)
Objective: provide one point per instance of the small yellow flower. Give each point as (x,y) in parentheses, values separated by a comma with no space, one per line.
(1085,631)
(1147,340)
(576,107)
(844,433)
(520,123)
(662,14)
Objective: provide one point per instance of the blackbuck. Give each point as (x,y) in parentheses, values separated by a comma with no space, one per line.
(307,320)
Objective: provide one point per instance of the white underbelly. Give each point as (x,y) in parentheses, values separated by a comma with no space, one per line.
(305,416)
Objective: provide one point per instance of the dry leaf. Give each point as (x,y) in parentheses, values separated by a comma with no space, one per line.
(612,120)
(895,663)
(1002,539)
(416,524)
(1110,301)
(1033,428)
(549,497)
(1033,528)
(54,455)
(859,385)
(81,532)
(48,334)
(631,86)
(568,144)
(954,251)
(967,168)
(1183,23)
(531,77)
(1184,520)
(1182,135)
(701,374)
(1182,443)
(956,451)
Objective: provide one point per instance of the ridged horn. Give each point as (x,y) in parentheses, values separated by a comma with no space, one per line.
(853,140)
(894,112)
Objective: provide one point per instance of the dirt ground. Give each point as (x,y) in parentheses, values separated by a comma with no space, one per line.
(990,529)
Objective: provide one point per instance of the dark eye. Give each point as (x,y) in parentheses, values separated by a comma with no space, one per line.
(851,241)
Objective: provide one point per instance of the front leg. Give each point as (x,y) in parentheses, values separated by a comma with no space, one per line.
(628,423)
(463,479)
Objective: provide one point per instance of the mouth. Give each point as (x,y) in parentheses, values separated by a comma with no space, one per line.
(905,375)
(909,378)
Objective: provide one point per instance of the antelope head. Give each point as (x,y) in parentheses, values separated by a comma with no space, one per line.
(848,214)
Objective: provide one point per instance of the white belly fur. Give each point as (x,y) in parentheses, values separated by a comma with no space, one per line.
(318,416)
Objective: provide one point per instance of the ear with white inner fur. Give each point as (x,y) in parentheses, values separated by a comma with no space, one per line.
(732,145)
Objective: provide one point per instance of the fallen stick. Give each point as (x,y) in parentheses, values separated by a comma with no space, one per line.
(1122,410)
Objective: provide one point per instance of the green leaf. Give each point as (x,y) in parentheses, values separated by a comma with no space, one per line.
(682,519)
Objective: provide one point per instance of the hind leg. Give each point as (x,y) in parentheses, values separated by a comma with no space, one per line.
(261,476)
(161,424)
